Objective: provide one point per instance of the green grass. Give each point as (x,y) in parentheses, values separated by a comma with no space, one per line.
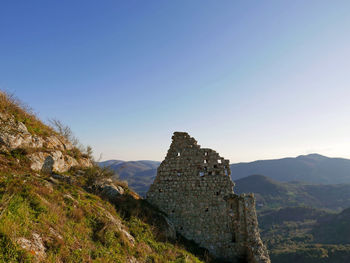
(75,225)
(22,113)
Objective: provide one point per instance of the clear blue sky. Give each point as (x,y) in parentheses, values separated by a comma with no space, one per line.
(250,79)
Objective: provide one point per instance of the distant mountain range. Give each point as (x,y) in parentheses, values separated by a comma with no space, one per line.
(312,168)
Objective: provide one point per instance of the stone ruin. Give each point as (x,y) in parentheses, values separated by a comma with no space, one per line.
(193,187)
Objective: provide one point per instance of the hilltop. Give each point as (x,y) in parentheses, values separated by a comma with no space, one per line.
(56,205)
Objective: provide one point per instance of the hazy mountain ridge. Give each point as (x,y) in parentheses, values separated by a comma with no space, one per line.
(312,168)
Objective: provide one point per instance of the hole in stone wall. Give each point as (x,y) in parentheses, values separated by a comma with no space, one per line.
(217,193)
(178,174)
(181,228)
(215,166)
(210,173)
(226,172)
(178,154)
(207,209)
(201,174)
(173,211)
(160,190)
(205,169)
(205,153)
(233,238)
(219,161)
(205,161)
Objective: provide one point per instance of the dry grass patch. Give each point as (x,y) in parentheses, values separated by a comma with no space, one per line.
(9,104)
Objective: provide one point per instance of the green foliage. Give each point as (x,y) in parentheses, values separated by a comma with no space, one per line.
(75,153)
(95,173)
(10,252)
(301,234)
(333,229)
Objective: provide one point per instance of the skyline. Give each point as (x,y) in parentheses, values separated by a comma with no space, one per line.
(250,80)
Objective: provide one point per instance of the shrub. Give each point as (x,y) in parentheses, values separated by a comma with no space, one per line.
(64,130)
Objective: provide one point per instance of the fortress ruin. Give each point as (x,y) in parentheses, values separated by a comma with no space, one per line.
(193,187)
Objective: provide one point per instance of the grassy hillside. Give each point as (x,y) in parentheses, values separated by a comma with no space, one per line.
(59,221)
(9,104)
(70,216)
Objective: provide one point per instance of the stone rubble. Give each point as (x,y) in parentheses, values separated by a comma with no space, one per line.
(193,187)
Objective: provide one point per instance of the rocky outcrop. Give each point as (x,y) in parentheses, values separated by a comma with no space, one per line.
(193,187)
(46,153)
(35,246)
(54,161)
(107,189)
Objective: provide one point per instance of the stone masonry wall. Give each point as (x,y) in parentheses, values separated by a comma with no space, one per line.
(193,187)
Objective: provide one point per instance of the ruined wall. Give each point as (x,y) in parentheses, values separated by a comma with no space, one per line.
(193,187)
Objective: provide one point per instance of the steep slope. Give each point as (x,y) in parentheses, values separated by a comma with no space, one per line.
(313,168)
(32,144)
(272,194)
(47,218)
(56,206)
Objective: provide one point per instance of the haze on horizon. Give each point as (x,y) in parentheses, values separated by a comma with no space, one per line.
(251,80)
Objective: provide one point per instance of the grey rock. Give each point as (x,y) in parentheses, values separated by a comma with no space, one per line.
(35,245)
